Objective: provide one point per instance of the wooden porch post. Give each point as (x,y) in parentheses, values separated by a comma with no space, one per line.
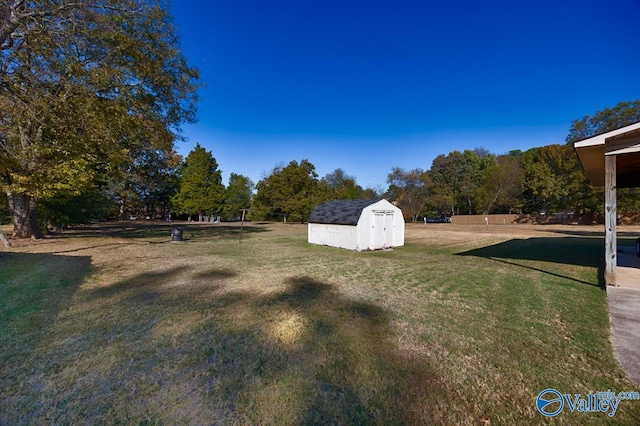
(610,219)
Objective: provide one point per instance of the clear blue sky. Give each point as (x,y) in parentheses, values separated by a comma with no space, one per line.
(369,85)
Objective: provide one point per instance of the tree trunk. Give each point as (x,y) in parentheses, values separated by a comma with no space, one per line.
(25,222)
(493,200)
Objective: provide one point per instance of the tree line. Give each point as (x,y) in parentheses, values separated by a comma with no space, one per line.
(542,180)
(160,184)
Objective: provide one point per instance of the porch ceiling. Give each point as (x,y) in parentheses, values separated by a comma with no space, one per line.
(624,143)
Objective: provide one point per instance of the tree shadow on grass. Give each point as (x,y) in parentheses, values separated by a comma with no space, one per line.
(145,230)
(34,290)
(147,286)
(584,251)
(34,287)
(355,374)
(329,358)
(216,274)
(161,352)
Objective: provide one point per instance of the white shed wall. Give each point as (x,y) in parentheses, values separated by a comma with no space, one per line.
(343,236)
(370,236)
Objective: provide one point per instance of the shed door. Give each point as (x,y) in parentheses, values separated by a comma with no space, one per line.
(381,230)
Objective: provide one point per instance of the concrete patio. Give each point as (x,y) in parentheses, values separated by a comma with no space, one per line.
(624,312)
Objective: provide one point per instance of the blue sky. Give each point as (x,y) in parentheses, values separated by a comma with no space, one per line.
(370,85)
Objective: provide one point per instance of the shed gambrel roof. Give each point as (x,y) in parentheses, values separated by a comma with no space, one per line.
(340,212)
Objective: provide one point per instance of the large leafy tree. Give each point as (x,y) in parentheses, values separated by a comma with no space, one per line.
(291,191)
(621,115)
(201,189)
(501,186)
(145,186)
(82,85)
(238,196)
(345,186)
(549,178)
(476,166)
(71,208)
(458,176)
(444,176)
(407,188)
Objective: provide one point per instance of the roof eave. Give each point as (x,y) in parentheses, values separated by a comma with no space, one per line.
(592,152)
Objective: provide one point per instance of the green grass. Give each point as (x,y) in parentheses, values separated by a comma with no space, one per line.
(115,324)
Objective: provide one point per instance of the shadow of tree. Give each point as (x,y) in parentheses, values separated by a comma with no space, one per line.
(584,251)
(362,377)
(331,358)
(142,229)
(145,284)
(158,352)
(215,274)
(34,290)
(35,287)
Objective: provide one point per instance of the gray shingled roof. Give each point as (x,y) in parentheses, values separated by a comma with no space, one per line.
(340,212)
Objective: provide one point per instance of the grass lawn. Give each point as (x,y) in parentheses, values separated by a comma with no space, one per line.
(116,324)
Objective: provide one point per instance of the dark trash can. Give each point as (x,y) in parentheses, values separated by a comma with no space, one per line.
(176,234)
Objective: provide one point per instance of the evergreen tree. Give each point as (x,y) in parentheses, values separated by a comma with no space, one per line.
(201,189)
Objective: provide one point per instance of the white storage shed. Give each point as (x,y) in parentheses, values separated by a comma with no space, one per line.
(357,225)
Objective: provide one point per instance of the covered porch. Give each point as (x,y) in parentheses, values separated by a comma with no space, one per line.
(612,160)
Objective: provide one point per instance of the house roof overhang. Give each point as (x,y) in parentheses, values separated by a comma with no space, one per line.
(624,143)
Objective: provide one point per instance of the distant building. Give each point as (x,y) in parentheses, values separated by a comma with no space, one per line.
(357,225)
